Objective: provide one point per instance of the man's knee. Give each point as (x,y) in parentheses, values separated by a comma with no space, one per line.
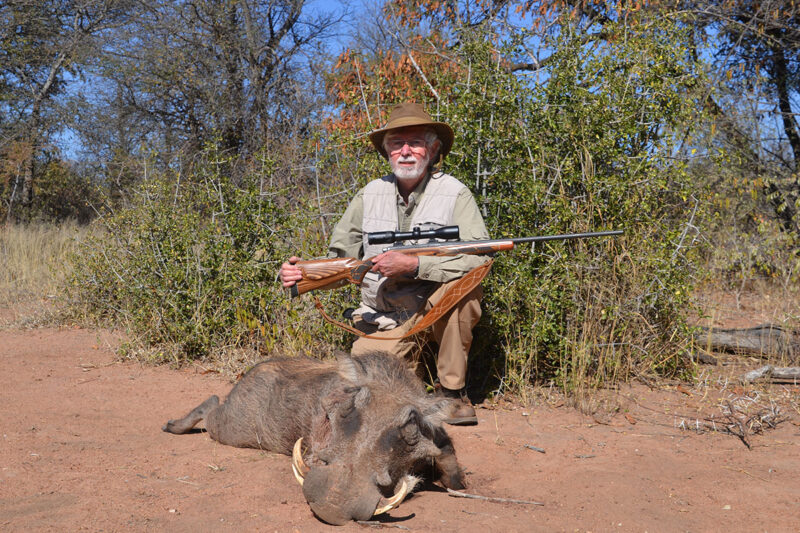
(470,313)
(402,348)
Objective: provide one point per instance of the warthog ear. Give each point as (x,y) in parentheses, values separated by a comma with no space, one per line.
(350,369)
(416,437)
(362,397)
(435,412)
(346,399)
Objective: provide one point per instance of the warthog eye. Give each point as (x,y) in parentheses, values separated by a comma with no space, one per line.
(341,401)
(350,422)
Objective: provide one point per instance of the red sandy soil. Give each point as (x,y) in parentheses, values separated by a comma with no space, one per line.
(82,449)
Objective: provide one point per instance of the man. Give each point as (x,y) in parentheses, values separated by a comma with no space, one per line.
(400,288)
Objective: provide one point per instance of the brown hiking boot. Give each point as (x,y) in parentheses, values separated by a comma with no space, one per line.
(462,413)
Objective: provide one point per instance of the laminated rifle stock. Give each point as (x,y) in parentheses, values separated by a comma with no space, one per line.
(325,274)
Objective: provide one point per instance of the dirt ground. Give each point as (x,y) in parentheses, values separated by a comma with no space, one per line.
(82,449)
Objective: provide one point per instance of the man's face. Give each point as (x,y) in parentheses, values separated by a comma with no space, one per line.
(409,154)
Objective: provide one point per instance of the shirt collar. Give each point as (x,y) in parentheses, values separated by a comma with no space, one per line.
(416,193)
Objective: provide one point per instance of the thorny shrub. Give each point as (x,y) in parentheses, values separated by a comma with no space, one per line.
(190,267)
(192,264)
(587,144)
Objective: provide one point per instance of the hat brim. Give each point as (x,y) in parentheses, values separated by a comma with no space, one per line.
(443,131)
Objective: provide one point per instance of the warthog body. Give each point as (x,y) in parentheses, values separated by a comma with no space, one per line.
(366,421)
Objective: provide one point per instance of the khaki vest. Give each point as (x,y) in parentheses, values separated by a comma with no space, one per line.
(397,299)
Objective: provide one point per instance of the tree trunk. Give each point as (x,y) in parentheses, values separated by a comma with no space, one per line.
(26,193)
(29,166)
(785,200)
(232,117)
(780,75)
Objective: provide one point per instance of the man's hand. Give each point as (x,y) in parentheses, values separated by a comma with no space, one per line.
(290,274)
(393,264)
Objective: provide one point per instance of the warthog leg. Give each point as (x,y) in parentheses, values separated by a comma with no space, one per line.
(183,425)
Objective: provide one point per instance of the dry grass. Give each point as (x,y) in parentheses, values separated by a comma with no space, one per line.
(33,263)
(753,278)
(761,301)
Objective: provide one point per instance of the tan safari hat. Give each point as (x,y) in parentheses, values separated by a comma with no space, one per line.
(411,114)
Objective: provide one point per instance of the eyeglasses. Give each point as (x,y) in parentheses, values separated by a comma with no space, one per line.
(395,145)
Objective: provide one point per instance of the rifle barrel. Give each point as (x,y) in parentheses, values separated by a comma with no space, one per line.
(506,244)
(567,236)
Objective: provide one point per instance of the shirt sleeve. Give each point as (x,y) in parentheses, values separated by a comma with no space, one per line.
(347,237)
(467,216)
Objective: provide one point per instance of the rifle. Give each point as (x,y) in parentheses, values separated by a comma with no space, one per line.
(325,274)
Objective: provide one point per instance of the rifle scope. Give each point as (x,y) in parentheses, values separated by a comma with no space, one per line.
(388,237)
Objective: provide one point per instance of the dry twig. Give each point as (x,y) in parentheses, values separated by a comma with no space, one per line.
(535,448)
(376,524)
(459,494)
(742,416)
(745,472)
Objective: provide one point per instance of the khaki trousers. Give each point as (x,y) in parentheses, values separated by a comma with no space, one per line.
(452,332)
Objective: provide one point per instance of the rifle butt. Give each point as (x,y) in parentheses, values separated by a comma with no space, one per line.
(327,274)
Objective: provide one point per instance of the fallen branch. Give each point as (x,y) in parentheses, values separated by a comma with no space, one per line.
(459,494)
(737,424)
(701,356)
(745,472)
(786,373)
(741,417)
(775,374)
(535,448)
(764,340)
(376,524)
(738,421)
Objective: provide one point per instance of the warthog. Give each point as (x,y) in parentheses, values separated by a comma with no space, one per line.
(367,424)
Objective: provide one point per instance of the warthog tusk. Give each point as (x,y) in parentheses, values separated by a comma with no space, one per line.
(298,465)
(394,501)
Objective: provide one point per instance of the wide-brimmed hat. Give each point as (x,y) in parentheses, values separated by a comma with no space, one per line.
(411,114)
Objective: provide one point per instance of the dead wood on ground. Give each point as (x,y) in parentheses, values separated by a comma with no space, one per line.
(765,340)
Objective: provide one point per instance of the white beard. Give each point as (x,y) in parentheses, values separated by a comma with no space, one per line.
(410,173)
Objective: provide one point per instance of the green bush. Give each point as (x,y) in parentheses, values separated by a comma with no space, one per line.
(191,266)
(62,194)
(592,148)
(592,142)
